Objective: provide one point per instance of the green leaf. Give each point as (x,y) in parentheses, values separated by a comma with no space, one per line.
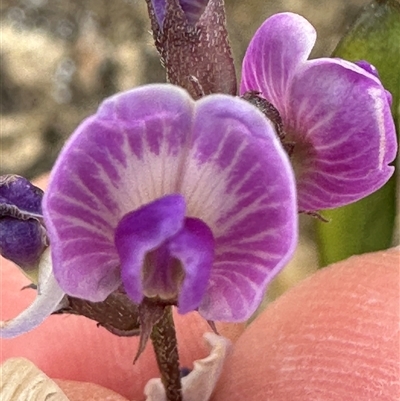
(367,225)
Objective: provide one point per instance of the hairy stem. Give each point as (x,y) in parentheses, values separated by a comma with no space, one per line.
(163,337)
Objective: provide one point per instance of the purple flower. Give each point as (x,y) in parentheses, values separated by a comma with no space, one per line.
(336,113)
(22,235)
(159,196)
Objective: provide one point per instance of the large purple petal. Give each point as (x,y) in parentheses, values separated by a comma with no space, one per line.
(345,138)
(47,301)
(193,246)
(142,231)
(239,181)
(127,155)
(282,43)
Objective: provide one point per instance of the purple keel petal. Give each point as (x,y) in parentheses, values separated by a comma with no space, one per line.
(127,155)
(193,246)
(277,49)
(239,181)
(342,124)
(143,231)
(47,301)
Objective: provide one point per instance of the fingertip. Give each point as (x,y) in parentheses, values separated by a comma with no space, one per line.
(334,336)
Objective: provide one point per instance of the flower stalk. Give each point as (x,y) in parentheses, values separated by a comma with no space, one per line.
(193,44)
(163,337)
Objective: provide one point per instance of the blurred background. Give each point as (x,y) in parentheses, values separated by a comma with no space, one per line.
(60,58)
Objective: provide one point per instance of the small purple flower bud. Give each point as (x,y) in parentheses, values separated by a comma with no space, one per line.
(18,191)
(192,9)
(192,40)
(22,235)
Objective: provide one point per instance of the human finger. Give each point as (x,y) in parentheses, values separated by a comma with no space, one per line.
(80,391)
(333,337)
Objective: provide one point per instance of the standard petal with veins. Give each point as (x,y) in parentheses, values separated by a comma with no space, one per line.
(219,155)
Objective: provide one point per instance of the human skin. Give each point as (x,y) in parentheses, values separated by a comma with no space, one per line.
(334,336)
